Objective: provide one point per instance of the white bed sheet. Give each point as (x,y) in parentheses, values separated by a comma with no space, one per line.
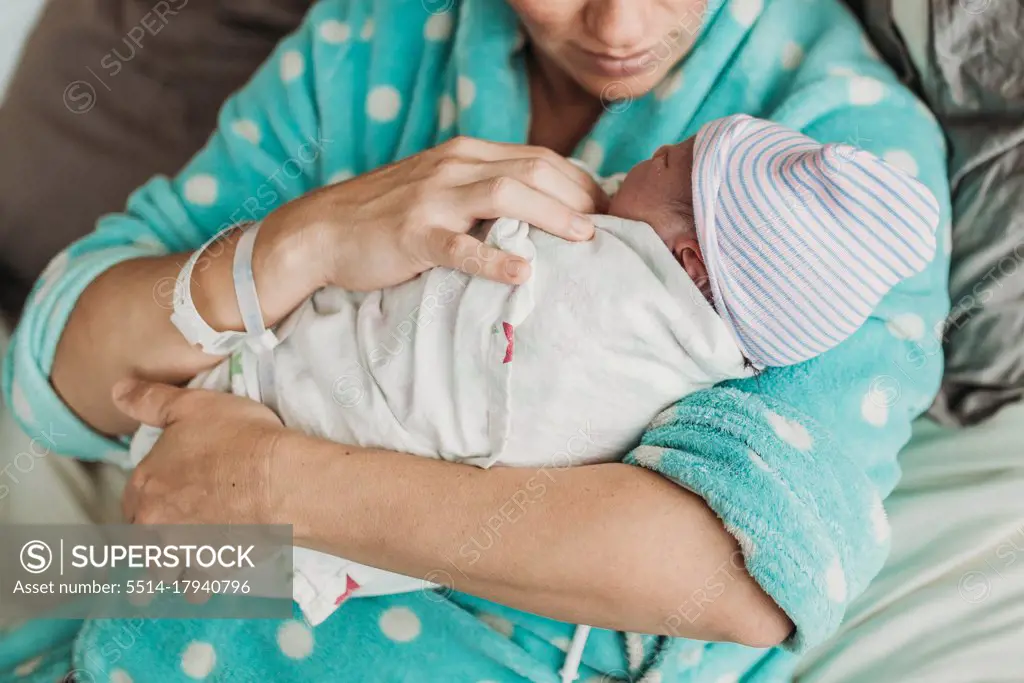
(949,605)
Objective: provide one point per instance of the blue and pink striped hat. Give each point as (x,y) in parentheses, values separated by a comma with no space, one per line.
(802,240)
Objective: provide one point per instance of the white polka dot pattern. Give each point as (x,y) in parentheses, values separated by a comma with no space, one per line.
(28,667)
(793,433)
(384,103)
(792,56)
(292,66)
(201,190)
(248,130)
(198,660)
(446,112)
(334,31)
(499,624)
(903,160)
(906,326)
(340,176)
(561,642)
(864,90)
(835,582)
(663,418)
(746,12)
(295,639)
(400,624)
(466,92)
(120,676)
(438,27)
(874,407)
(649,456)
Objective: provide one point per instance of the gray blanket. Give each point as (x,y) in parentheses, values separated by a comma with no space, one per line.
(973,79)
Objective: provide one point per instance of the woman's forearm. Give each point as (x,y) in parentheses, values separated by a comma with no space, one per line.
(121,326)
(612,545)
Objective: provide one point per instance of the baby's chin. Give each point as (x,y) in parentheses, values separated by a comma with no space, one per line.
(615,206)
(630,202)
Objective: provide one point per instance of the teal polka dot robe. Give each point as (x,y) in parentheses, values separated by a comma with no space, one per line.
(795,461)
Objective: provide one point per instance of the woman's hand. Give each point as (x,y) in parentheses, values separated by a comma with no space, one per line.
(210,465)
(387,226)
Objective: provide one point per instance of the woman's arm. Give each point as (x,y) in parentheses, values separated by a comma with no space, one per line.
(121,325)
(596,545)
(599,545)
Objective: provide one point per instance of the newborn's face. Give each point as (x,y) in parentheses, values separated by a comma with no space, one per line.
(659,192)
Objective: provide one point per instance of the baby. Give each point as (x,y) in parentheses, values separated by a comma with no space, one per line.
(794,243)
(778,248)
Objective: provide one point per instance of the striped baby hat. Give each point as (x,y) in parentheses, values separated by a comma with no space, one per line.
(802,240)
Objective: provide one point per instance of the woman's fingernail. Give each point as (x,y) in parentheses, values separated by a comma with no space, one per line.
(581,226)
(514,268)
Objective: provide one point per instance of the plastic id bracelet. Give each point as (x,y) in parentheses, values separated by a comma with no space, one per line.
(261,340)
(186,318)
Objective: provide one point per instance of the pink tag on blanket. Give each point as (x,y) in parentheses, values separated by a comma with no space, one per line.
(350,587)
(511,344)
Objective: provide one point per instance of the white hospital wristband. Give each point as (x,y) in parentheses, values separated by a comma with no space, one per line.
(186,317)
(261,340)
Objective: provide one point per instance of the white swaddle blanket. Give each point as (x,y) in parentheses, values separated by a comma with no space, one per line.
(567,369)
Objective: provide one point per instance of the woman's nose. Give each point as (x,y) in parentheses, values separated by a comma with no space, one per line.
(618,24)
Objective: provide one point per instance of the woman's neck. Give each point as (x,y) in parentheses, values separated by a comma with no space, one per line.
(561,112)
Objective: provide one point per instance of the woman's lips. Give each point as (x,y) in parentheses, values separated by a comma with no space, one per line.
(615,65)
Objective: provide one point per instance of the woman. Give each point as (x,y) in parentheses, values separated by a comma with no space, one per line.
(787,469)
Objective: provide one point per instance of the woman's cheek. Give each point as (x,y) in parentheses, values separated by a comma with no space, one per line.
(545,18)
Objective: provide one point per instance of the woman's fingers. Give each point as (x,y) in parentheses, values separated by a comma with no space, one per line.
(471,256)
(380,229)
(546,177)
(150,403)
(485,150)
(560,200)
(512,198)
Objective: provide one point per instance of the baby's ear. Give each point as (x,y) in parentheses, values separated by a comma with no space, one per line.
(689,257)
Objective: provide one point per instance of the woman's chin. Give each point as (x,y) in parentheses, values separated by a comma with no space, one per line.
(625,87)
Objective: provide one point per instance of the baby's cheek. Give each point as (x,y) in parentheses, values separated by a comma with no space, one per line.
(628,203)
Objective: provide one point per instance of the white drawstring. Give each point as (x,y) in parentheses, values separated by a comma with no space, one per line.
(571,667)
